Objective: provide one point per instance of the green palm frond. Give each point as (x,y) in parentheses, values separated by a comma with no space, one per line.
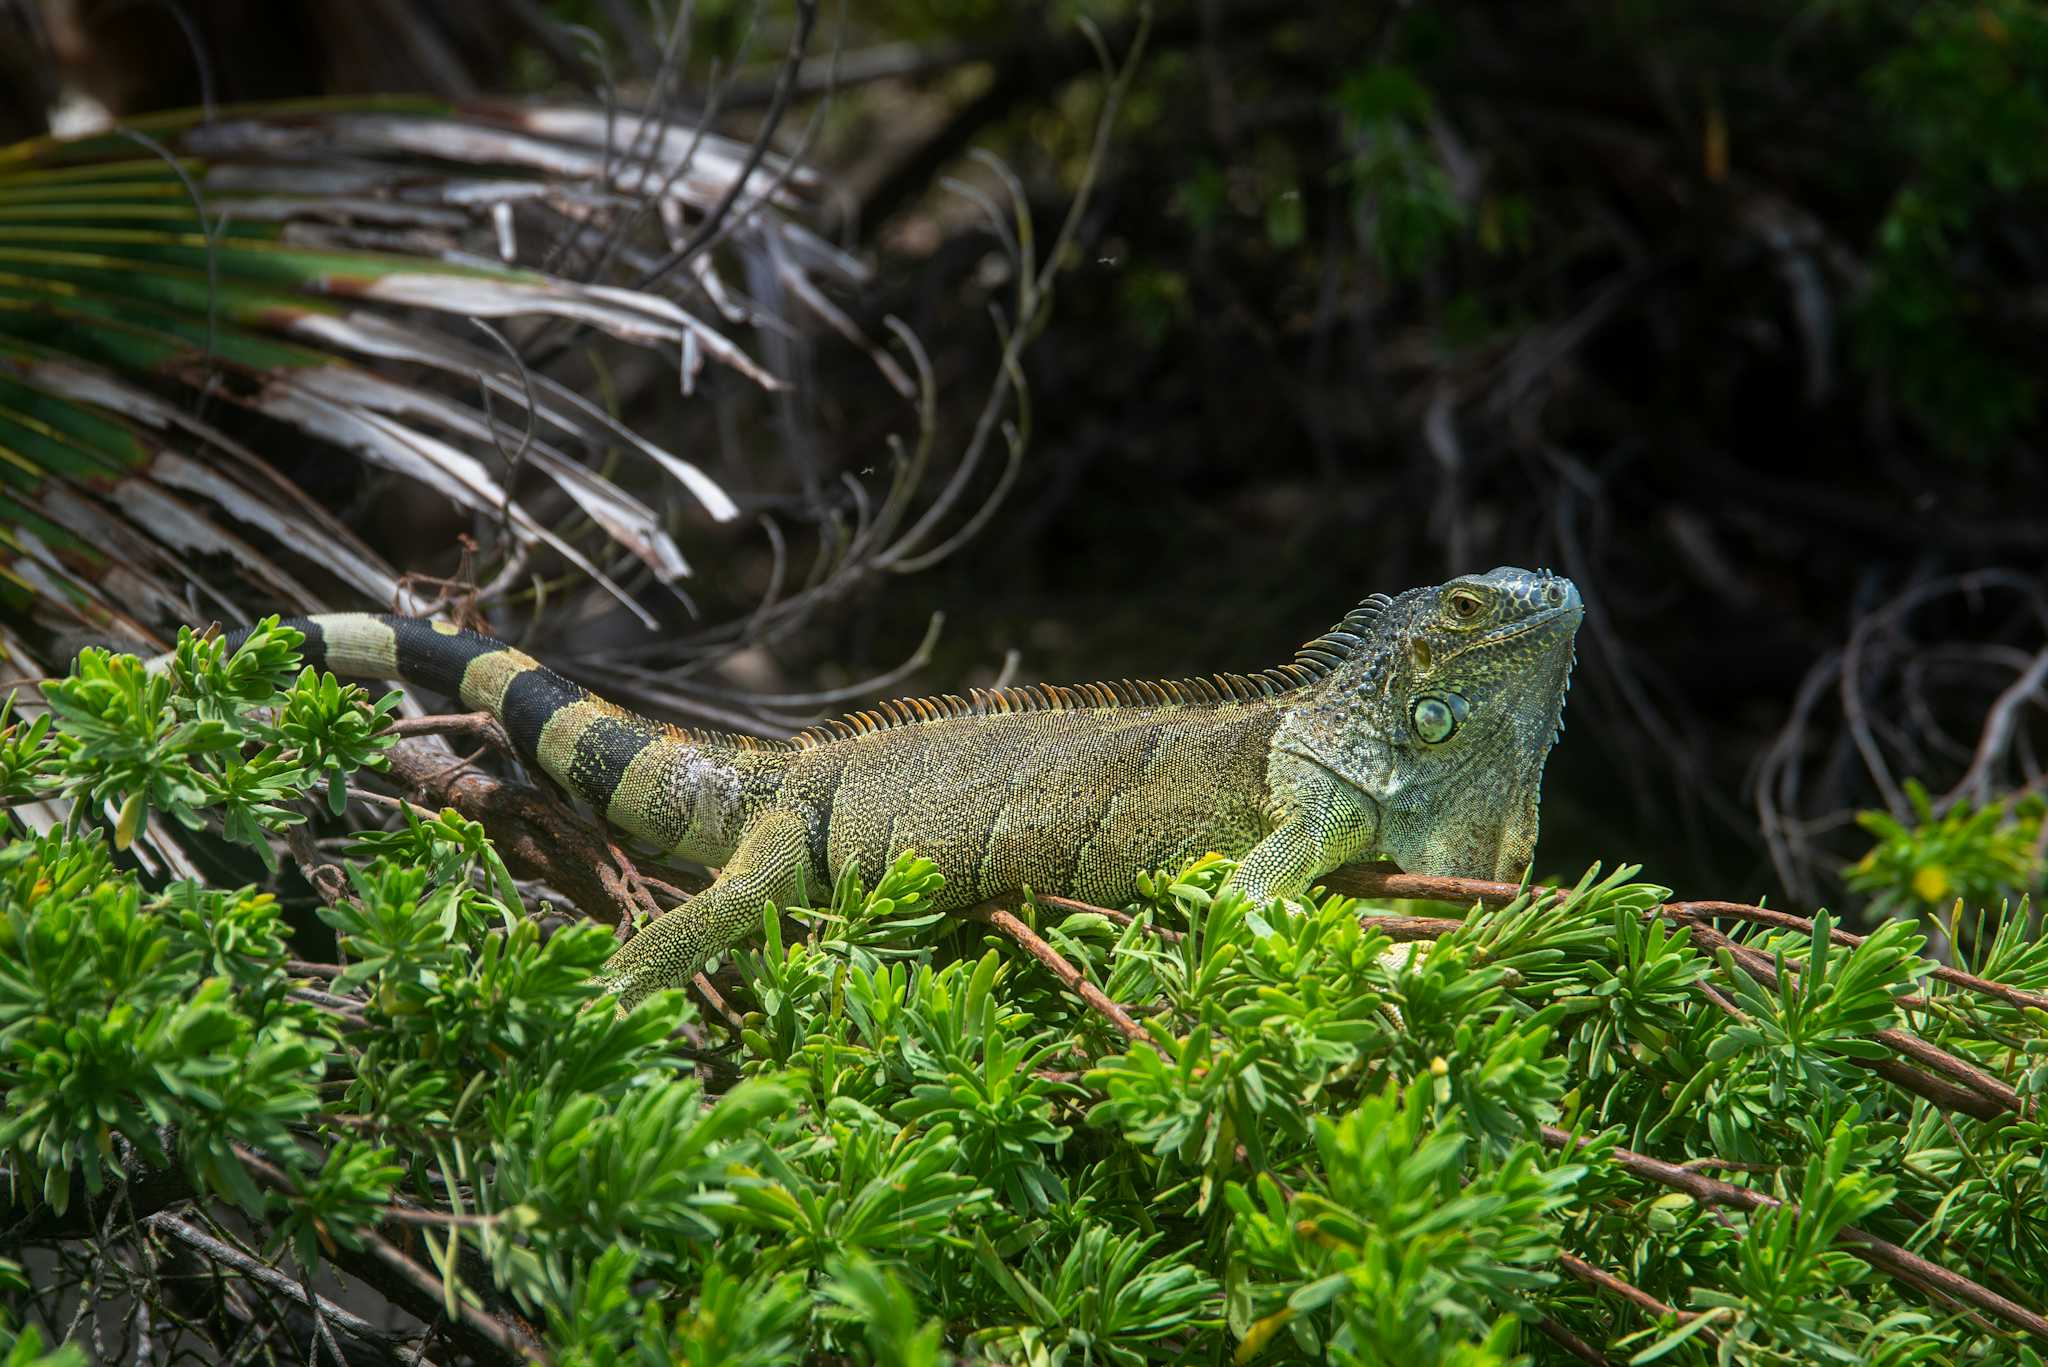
(315,265)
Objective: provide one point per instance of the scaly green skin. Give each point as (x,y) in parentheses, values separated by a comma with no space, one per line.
(1338,756)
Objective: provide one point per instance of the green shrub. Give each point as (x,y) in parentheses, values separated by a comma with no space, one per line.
(913,1145)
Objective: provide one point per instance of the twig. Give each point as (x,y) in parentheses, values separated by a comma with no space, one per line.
(1714,995)
(453,766)
(1634,1295)
(716,1002)
(1997,734)
(905,61)
(1962,1086)
(538,837)
(439,1219)
(258,1271)
(1955,1084)
(1033,296)
(515,460)
(480,726)
(1111,914)
(1372,880)
(1879,1253)
(1693,913)
(349,1010)
(474,1327)
(1572,1343)
(1056,964)
(799,43)
(479,1325)
(326,880)
(1996,1096)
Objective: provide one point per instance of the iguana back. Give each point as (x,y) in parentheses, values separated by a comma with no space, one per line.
(1070,801)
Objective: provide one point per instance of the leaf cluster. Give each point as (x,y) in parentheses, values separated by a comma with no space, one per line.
(205,732)
(1978,853)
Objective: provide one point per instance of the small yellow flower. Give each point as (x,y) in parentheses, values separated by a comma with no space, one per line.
(1930,882)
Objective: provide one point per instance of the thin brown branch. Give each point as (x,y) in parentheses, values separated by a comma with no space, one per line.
(1887,1257)
(1694,913)
(538,837)
(477,726)
(1721,1002)
(717,1003)
(1111,914)
(1604,1280)
(476,1326)
(258,1271)
(328,882)
(1959,1086)
(1997,735)
(437,1219)
(1384,880)
(541,839)
(1056,964)
(1572,1343)
(409,1285)
(1726,1165)
(1954,1084)
(347,1008)
(1407,929)
(778,105)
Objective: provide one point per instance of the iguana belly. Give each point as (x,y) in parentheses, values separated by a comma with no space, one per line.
(1071,803)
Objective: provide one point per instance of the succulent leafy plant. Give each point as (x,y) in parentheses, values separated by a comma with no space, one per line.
(1588,1123)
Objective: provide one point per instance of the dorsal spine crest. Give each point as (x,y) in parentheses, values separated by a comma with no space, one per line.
(1312,663)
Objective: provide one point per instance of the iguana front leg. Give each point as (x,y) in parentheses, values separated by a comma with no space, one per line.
(1322,822)
(767,866)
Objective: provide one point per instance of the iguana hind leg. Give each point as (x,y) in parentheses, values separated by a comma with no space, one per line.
(767,866)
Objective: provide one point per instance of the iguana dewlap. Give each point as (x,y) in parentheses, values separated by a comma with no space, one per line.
(1415,729)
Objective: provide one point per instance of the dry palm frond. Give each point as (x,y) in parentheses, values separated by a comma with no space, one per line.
(315,265)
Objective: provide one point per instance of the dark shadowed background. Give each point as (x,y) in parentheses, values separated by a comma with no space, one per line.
(1734,313)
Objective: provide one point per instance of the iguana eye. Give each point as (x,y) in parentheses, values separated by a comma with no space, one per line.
(1465,605)
(1436,718)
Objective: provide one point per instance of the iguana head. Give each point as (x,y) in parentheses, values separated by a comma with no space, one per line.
(1444,714)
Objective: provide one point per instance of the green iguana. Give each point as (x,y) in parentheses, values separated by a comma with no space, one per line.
(1415,729)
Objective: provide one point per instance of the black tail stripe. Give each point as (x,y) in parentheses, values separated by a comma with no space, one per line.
(530,700)
(436,659)
(313,650)
(603,750)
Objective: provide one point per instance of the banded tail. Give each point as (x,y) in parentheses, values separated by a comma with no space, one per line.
(641,776)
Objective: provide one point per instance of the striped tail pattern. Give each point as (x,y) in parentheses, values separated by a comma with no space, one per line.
(680,792)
